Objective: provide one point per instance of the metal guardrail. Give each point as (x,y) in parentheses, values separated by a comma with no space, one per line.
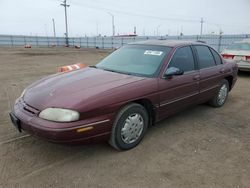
(219,42)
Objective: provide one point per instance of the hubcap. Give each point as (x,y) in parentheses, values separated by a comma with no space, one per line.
(222,94)
(132,128)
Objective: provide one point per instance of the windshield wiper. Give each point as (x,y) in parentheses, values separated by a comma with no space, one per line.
(110,70)
(93,66)
(121,72)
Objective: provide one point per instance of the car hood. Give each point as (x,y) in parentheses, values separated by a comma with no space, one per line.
(67,89)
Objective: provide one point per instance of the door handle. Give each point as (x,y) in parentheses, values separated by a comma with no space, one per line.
(196,77)
(222,71)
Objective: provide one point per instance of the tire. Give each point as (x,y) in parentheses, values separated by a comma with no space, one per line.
(221,96)
(129,127)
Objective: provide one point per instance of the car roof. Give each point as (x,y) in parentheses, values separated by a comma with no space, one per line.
(169,43)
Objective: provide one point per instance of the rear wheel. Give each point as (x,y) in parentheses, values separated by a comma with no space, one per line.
(221,96)
(129,127)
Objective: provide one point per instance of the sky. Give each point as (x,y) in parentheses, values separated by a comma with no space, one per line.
(91,18)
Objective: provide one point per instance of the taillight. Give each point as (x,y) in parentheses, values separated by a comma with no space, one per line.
(248,58)
(227,56)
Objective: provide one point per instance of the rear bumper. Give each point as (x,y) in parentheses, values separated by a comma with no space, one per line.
(243,65)
(85,131)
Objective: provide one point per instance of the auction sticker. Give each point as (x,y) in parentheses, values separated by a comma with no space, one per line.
(150,52)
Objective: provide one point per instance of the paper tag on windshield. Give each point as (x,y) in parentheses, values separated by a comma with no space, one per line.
(150,52)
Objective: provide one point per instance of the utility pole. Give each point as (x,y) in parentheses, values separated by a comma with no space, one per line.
(65,5)
(181,34)
(46,30)
(113,23)
(202,21)
(97,29)
(157,30)
(54,27)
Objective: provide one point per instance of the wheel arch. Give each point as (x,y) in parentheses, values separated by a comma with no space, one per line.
(147,104)
(230,81)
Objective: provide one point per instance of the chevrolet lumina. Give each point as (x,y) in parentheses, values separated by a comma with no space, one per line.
(132,88)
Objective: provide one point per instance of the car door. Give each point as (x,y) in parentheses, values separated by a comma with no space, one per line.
(210,76)
(179,91)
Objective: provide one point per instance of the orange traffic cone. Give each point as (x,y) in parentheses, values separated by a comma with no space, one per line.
(68,68)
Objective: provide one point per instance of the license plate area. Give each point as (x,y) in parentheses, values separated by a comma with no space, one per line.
(16,122)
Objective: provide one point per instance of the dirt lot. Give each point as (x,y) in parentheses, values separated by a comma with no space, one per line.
(200,147)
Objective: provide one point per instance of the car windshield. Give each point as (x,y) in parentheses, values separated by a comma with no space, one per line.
(139,60)
(239,46)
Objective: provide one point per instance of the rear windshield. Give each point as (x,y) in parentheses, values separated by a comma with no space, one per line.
(239,46)
(139,60)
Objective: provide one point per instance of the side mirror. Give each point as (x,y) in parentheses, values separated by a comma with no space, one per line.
(172,71)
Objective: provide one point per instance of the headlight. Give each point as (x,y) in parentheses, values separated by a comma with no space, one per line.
(59,115)
(21,96)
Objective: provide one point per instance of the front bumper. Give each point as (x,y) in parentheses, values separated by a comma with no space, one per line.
(94,129)
(243,65)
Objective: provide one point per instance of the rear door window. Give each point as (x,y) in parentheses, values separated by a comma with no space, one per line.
(205,57)
(216,57)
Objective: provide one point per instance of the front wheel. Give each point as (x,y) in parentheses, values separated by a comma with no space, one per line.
(129,127)
(221,96)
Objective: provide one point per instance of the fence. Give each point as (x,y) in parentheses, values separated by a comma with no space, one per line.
(219,42)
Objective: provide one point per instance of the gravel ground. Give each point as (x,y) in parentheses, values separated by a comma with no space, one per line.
(200,147)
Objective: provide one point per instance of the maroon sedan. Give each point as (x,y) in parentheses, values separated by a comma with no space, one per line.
(116,100)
